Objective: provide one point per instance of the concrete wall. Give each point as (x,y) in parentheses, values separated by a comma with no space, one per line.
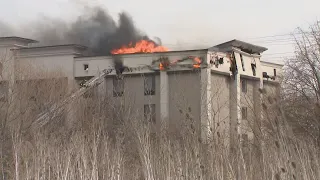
(47,62)
(220,100)
(134,97)
(220,68)
(61,65)
(184,98)
(269,68)
(172,87)
(180,93)
(249,102)
(272,88)
(97,64)
(253,100)
(58,60)
(271,97)
(244,64)
(7,69)
(7,62)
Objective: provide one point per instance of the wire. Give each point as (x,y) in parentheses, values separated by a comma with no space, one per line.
(281,35)
(209,44)
(278,53)
(288,39)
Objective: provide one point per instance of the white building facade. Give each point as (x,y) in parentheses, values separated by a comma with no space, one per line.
(217,91)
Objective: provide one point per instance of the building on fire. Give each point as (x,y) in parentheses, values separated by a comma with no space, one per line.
(219,85)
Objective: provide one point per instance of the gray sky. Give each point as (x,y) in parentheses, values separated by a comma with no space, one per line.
(189,23)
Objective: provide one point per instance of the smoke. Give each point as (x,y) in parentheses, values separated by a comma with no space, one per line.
(6,29)
(118,64)
(97,30)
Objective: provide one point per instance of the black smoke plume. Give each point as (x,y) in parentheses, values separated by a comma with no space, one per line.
(99,31)
(118,65)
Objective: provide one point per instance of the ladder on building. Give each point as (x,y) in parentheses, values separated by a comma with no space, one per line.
(57,108)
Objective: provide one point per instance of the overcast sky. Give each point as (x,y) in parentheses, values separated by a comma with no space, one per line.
(189,23)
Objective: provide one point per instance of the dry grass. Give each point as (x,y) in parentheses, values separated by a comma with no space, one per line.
(99,144)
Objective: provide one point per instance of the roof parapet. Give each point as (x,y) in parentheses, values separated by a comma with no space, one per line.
(15,38)
(243,46)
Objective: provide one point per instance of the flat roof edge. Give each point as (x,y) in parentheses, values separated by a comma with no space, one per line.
(142,53)
(272,63)
(238,43)
(19,38)
(54,46)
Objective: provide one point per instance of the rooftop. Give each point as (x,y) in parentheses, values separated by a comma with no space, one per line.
(144,53)
(243,46)
(54,46)
(18,39)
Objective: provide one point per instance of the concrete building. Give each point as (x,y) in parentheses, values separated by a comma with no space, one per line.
(218,87)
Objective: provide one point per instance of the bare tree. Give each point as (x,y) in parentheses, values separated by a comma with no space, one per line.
(302,83)
(115,138)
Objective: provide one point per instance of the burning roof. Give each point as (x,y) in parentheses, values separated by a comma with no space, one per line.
(148,46)
(142,46)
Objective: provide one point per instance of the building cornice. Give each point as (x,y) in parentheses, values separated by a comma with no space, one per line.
(12,46)
(156,54)
(271,64)
(220,72)
(47,54)
(250,77)
(244,53)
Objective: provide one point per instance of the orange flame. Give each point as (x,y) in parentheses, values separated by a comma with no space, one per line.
(164,65)
(161,66)
(196,66)
(142,46)
(197,61)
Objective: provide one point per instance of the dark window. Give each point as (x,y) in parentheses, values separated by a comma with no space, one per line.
(150,113)
(244,86)
(86,67)
(244,112)
(274,72)
(118,87)
(4,90)
(242,63)
(149,85)
(253,67)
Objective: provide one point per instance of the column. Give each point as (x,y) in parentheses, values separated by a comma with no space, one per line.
(164,97)
(205,116)
(235,111)
(257,148)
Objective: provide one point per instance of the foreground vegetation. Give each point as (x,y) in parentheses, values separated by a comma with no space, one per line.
(95,146)
(96,143)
